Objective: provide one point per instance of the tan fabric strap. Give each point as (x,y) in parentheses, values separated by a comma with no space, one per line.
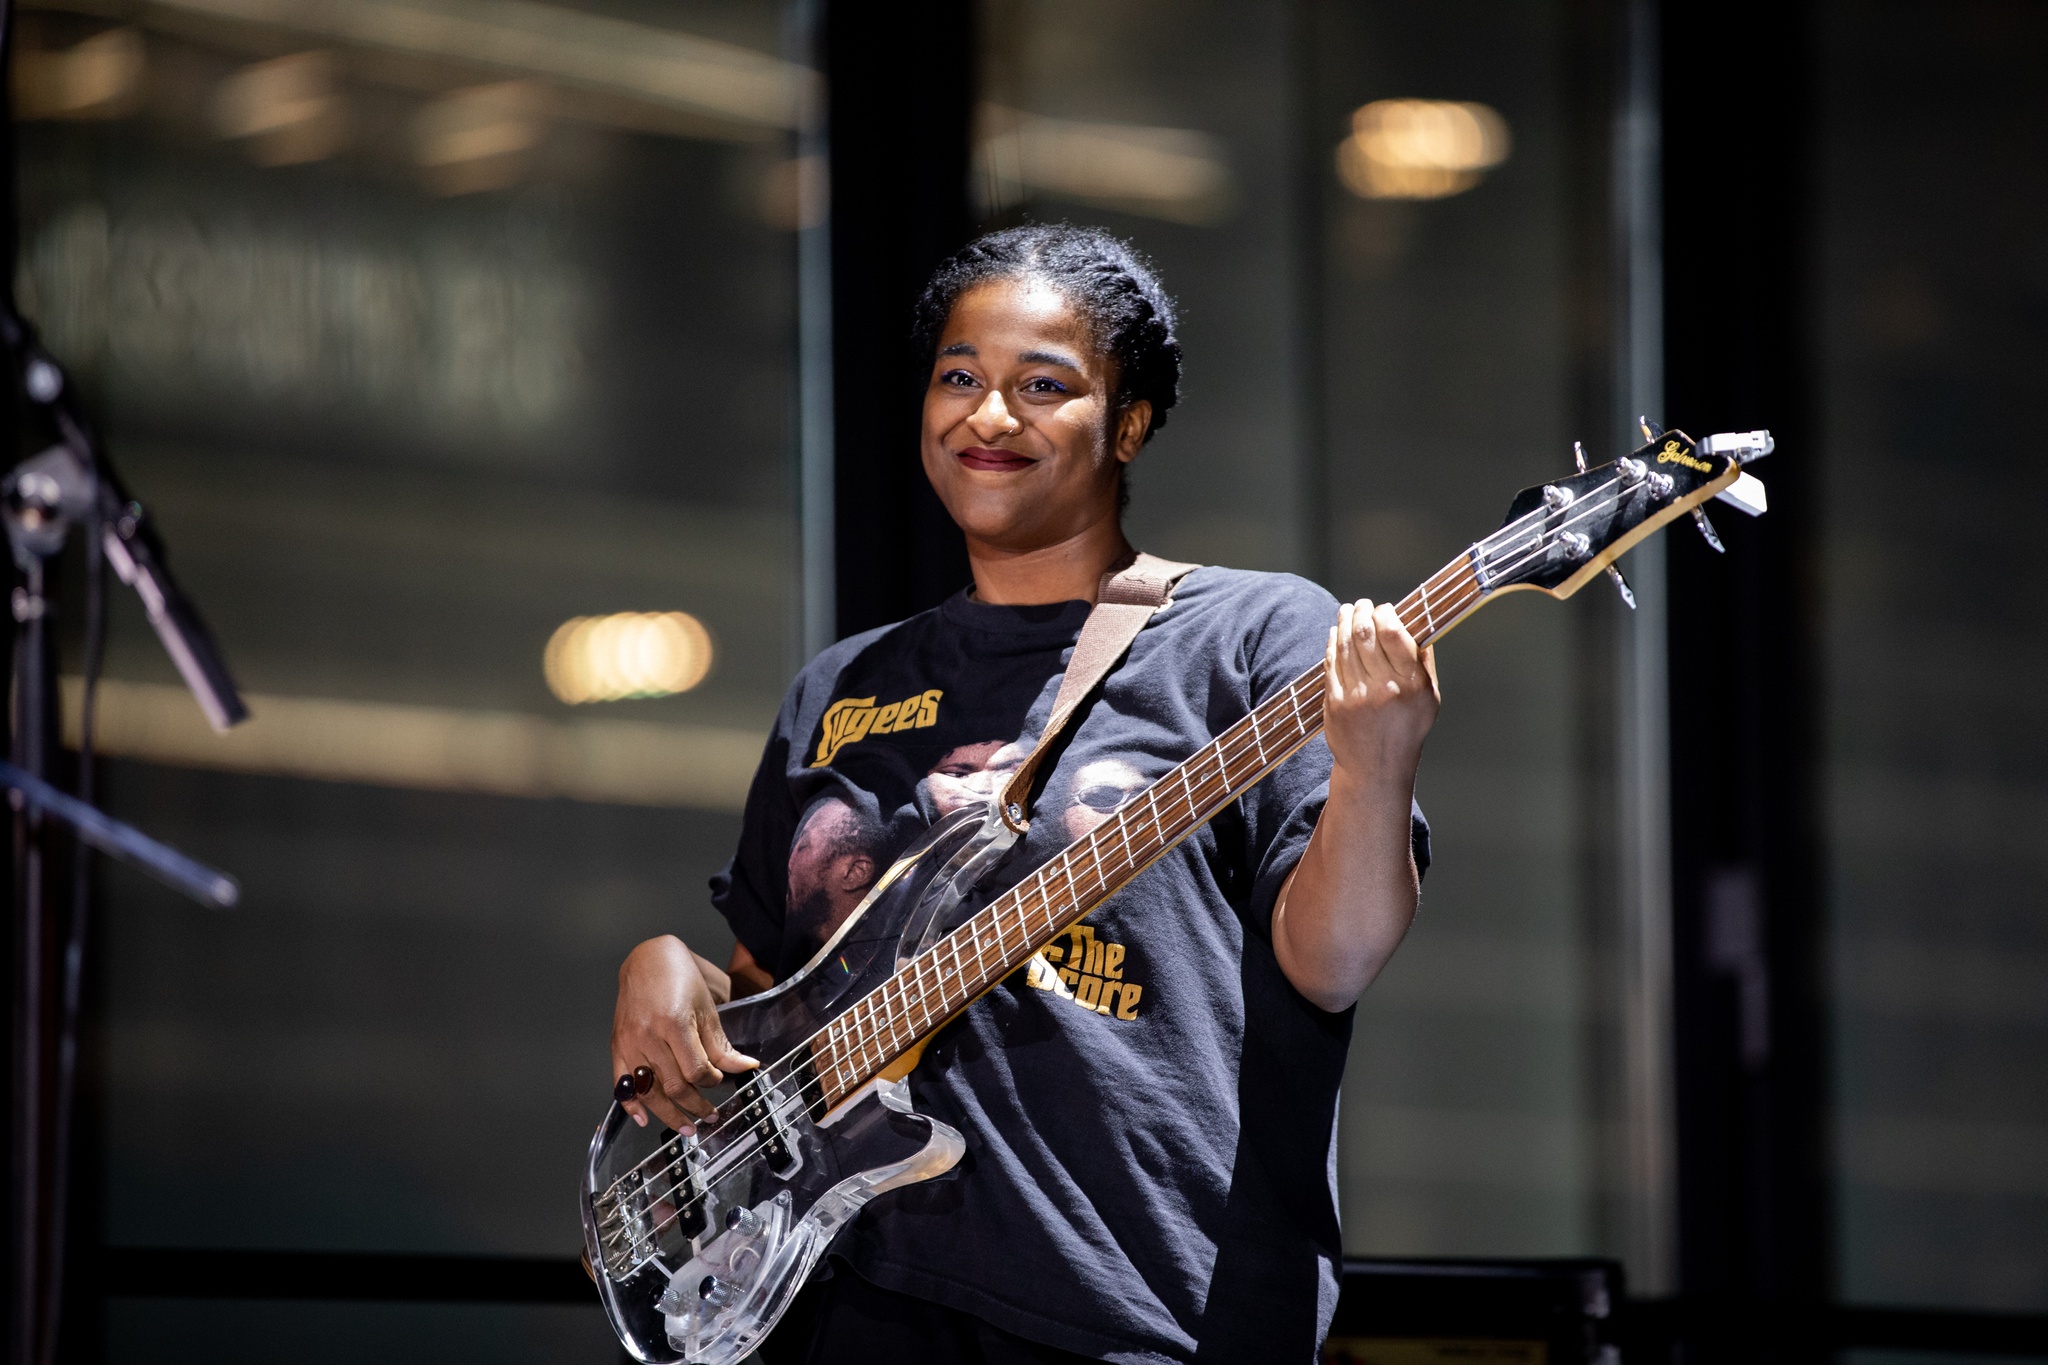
(1127,598)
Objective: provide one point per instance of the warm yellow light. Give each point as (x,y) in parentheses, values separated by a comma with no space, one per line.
(1420,149)
(479,138)
(99,78)
(285,111)
(630,654)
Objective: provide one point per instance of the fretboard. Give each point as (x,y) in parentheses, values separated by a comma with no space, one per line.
(937,984)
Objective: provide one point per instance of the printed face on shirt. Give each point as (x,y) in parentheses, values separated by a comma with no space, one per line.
(1099,788)
(970,775)
(832,863)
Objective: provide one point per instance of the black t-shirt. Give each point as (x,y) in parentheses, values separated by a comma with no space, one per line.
(1149,1107)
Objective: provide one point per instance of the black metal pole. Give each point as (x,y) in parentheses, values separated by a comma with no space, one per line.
(1748,891)
(32,742)
(901,105)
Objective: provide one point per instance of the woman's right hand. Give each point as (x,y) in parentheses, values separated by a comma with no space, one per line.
(667,1020)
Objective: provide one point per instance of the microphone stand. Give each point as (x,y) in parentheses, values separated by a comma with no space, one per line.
(69,484)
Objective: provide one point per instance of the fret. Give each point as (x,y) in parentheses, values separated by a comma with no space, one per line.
(1196,784)
(893,1013)
(973,928)
(918,965)
(876,1019)
(870,1014)
(880,1039)
(1094,852)
(834,1048)
(913,1008)
(861,1044)
(1151,815)
(835,1042)
(1220,761)
(1066,866)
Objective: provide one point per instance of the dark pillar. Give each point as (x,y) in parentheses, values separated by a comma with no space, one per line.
(1749,910)
(901,111)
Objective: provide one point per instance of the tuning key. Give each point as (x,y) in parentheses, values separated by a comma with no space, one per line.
(1699,519)
(1651,431)
(1621,586)
(1579,455)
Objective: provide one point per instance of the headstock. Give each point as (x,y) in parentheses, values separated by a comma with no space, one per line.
(1557,536)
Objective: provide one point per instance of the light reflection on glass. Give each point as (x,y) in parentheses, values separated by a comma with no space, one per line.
(287,110)
(93,79)
(1177,174)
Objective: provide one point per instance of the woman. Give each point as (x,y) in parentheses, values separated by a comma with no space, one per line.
(1147,1179)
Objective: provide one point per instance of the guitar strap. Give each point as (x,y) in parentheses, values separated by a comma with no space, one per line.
(1127,598)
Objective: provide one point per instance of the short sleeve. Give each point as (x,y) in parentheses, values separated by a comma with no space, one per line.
(752,892)
(1289,636)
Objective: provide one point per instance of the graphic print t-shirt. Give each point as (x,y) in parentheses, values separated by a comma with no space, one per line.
(1149,1106)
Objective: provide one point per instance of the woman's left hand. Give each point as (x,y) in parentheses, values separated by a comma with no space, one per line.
(1380,697)
(1344,908)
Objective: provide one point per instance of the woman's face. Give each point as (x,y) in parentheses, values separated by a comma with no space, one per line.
(1020,439)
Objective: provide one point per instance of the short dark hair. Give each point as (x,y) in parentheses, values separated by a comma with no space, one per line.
(1104,278)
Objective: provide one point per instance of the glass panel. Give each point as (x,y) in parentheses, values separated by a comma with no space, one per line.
(1935,284)
(1470,1114)
(424,331)
(1178,136)
(1379,354)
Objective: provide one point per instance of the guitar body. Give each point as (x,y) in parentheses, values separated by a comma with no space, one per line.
(698,1244)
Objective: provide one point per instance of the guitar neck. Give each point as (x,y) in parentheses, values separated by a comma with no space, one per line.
(898,1016)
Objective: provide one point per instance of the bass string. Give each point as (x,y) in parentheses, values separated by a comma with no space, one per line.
(1202,801)
(1167,811)
(1216,790)
(835,1055)
(825,1046)
(872,1027)
(1455,566)
(879,1025)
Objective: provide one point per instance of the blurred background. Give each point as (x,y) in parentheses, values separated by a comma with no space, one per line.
(521,389)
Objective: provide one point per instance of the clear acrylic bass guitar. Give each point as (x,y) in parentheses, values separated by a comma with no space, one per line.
(698,1243)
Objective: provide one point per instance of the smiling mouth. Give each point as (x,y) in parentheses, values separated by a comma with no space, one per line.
(981,457)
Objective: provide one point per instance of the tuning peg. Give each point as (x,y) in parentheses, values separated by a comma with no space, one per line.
(1579,455)
(1651,431)
(1699,519)
(1621,586)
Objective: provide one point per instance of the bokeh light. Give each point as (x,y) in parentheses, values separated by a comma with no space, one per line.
(1420,149)
(627,654)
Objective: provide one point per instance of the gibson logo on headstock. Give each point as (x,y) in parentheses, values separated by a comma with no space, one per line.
(1674,453)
